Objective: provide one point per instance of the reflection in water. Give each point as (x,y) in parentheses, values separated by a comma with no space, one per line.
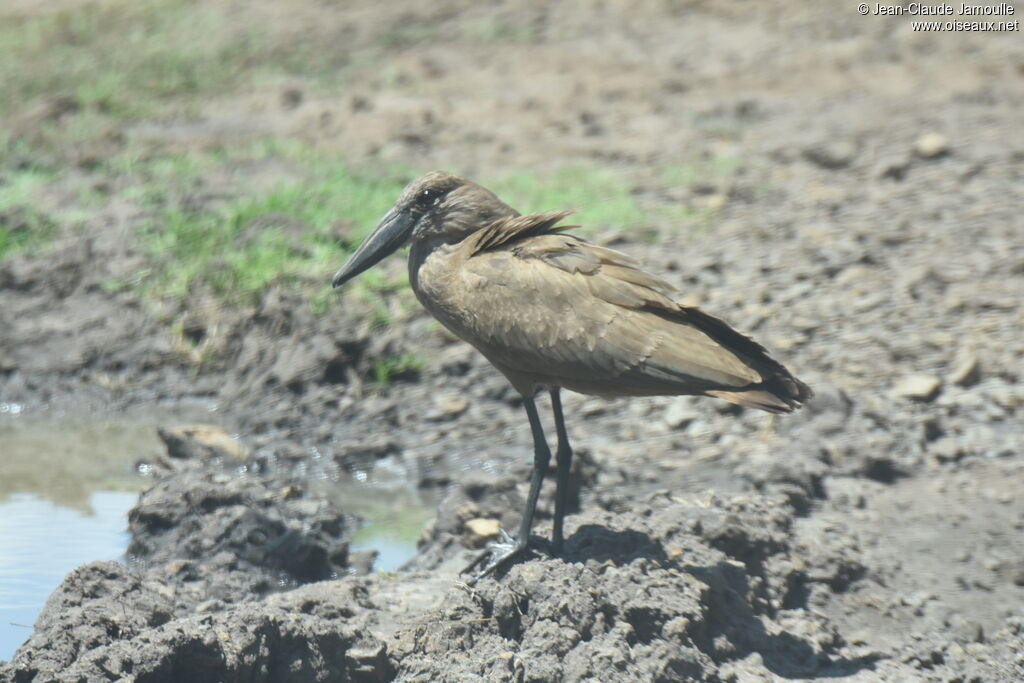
(66,485)
(41,542)
(64,459)
(393,518)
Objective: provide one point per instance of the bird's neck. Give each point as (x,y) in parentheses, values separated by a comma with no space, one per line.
(419,250)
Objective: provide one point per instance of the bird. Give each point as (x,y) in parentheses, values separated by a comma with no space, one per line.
(551,311)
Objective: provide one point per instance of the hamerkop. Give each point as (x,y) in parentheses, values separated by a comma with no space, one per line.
(552,311)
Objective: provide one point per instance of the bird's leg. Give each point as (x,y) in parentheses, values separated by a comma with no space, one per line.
(501,553)
(563,457)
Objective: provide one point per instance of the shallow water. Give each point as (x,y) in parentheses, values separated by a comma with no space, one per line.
(393,521)
(68,482)
(66,486)
(41,541)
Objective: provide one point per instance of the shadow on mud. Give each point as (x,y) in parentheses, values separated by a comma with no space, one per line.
(734,628)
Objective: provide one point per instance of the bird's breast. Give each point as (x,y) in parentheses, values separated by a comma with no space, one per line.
(433,275)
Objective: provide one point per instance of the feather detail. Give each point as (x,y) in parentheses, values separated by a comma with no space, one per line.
(506,231)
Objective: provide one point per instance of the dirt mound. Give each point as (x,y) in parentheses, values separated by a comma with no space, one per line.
(675,589)
(104,623)
(711,588)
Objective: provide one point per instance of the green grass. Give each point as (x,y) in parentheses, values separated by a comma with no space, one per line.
(713,170)
(604,197)
(284,236)
(496,30)
(22,227)
(290,235)
(125,58)
(392,368)
(600,196)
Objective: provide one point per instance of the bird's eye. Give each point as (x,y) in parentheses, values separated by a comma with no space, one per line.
(428,196)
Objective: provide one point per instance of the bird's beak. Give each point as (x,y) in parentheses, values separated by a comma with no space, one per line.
(390,234)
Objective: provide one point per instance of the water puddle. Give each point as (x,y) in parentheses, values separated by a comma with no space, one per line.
(68,482)
(394,519)
(66,486)
(40,542)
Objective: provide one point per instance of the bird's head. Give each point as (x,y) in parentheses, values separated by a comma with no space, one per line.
(437,206)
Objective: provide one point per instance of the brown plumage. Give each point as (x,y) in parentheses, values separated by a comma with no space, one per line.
(551,311)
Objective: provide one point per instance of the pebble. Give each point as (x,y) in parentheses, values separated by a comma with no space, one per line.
(947,449)
(1016,573)
(931,145)
(918,387)
(680,413)
(966,372)
(447,407)
(481,530)
(832,154)
(202,441)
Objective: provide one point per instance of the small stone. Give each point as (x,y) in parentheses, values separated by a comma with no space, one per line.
(967,630)
(679,413)
(203,442)
(917,387)
(966,372)
(991,563)
(892,168)
(368,661)
(448,407)
(946,449)
(676,629)
(931,145)
(481,530)
(1016,573)
(291,492)
(832,154)
(209,606)
(861,637)
(177,566)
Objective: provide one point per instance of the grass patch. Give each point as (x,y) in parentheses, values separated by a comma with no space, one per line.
(404,366)
(600,196)
(302,230)
(497,30)
(22,227)
(715,170)
(709,181)
(289,235)
(126,57)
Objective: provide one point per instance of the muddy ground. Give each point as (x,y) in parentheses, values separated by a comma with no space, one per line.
(871,237)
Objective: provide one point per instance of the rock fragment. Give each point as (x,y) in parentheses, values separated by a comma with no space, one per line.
(448,407)
(931,145)
(832,155)
(202,442)
(679,413)
(481,530)
(966,372)
(918,387)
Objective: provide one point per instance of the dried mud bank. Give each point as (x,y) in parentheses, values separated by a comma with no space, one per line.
(247,577)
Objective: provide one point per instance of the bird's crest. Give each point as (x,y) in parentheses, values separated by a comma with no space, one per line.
(516,228)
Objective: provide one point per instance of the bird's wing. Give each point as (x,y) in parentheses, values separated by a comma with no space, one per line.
(554,305)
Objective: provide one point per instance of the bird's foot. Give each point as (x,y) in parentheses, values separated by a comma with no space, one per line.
(498,555)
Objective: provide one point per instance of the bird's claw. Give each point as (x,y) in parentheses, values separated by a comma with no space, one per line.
(497,555)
